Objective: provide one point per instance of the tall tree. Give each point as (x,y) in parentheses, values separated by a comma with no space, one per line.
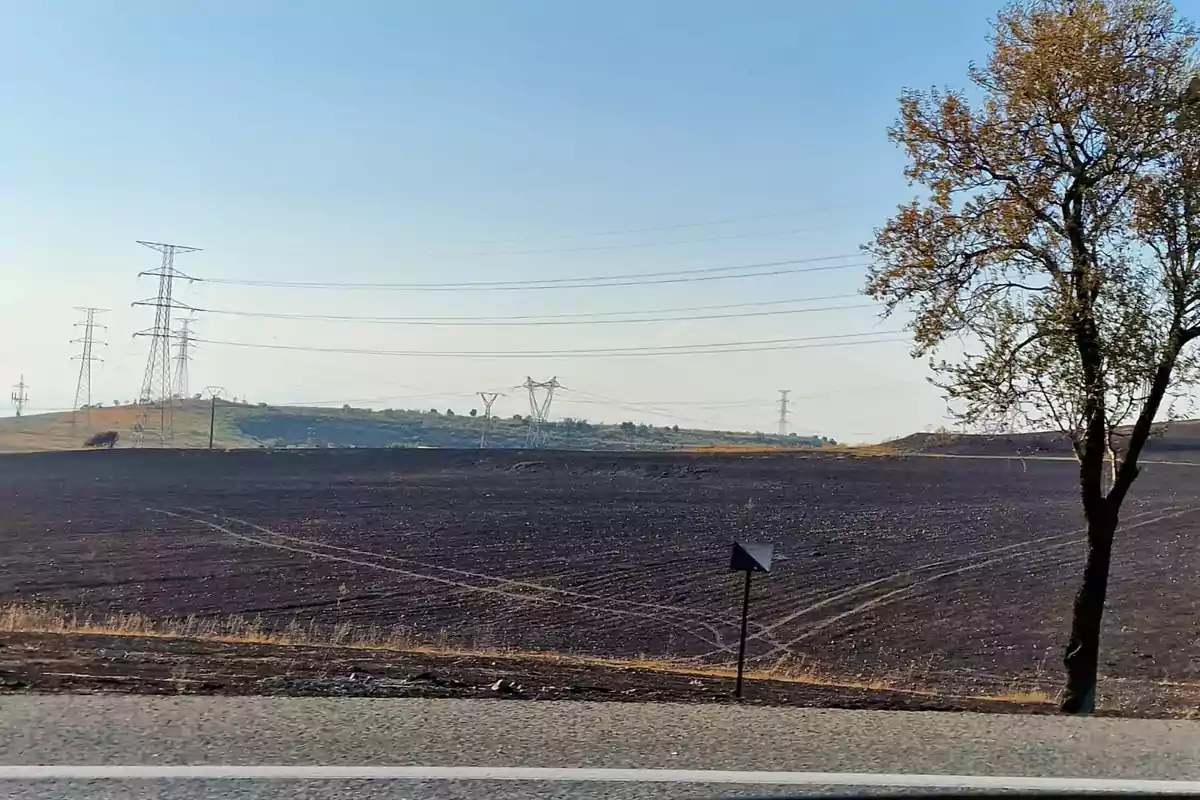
(1058,240)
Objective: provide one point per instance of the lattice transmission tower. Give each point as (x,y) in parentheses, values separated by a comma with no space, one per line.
(783,411)
(488,399)
(156,381)
(20,396)
(183,349)
(539,407)
(87,343)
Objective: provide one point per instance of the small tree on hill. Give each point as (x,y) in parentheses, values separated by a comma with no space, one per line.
(1060,243)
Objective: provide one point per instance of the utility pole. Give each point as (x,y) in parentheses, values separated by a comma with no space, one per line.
(156,382)
(182,357)
(488,398)
(214,392)
(20,396)
(83,386)
(539,407)
(783,411)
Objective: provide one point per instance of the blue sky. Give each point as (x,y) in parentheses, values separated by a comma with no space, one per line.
(430,142)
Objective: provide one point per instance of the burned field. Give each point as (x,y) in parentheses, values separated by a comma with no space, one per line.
(946,572)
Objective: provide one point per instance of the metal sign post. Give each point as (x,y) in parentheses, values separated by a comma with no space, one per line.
(748,558)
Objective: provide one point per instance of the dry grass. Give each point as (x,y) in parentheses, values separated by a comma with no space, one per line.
(236,629)
(33,618)
(760,449)
(68,431)
(1026,696)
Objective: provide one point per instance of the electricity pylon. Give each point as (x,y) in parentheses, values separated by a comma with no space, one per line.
(539,407)
(488,398)
(83,386)
(156,382)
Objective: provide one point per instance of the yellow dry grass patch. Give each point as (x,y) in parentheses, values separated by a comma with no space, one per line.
(33,618)
(69,430)
(1029,696)
(759,449)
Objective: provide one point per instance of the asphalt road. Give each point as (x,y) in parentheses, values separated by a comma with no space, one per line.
(233,733)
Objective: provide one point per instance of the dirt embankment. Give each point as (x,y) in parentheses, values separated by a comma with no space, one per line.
(123,664)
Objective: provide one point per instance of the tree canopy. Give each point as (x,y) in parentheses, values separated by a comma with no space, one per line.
(1057,245)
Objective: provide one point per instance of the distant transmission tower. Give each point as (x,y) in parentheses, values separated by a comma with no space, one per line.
(783,411)
(182,357)
(539,407)
(20,396)
(83,386)
(488,398)
(156,382)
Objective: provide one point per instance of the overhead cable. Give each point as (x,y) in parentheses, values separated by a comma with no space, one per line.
(630,245)
(655,228)
(796,343)
(761,269)
(456,323)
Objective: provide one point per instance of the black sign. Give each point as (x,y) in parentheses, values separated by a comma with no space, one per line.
(751,557)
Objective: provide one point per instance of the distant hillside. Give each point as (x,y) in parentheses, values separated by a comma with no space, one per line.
(1178,441)
(240,425)
(65,431)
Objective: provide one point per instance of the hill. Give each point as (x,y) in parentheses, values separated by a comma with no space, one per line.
(240,425)
(66,430)
(1177,441)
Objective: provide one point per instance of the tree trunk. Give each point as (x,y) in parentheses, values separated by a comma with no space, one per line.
(1083,652)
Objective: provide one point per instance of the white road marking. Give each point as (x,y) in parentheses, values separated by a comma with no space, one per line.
(558,775)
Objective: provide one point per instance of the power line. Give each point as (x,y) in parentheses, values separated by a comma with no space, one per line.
(765,268)
(83,386)
(681,309)
(631,245)
(655,228)
(539,317)
(718,405)
(647,408)
(156,382)
(708,404)
(342,402)
(684,349)
(638,408)
(471,323)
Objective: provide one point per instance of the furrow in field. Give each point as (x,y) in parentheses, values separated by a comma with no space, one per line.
(1009,552)
(312,549)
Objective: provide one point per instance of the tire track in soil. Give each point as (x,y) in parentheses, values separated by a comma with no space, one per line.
(716,641)
(859,587)
(695,614)
(841,594)
(902,592)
